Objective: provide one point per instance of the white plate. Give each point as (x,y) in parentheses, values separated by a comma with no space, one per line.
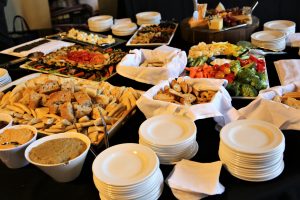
(280,25)
(127,27)
(259,178)
(149,15)
(254,157)
(167,129)
(268,36)
(138,193)
(125,164)
(251,136)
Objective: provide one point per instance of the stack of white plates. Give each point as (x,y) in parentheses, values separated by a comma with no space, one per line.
(284,26)
(173,138)
(4,77)
(252,150)
(128,171)
(148,18)
(100,23)
(124,29)
(272,40)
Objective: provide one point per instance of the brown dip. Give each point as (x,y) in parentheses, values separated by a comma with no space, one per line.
(57,151)
(15,136)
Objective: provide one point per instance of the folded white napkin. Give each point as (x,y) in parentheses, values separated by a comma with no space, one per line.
(293,40)
(174,63)
(264,108)
(46,48)
(217,107)
(194,180)
(288,70)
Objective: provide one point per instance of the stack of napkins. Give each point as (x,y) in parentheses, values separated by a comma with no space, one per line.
(193,180)
(172,60)
(288,70)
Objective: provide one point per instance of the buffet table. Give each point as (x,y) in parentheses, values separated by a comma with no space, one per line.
(30,183)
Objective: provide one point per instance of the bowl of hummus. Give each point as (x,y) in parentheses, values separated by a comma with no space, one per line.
(61,156)
(13,142)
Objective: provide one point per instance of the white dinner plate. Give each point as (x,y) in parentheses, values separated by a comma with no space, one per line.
(167,129)
(148,16)
(252,136)
(268,36)
(125,164)
(280,25)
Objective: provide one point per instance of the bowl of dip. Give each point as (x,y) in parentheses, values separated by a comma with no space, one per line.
(61,156)
(13,142)
(5,121)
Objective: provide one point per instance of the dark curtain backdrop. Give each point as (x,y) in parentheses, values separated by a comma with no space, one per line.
(266,10)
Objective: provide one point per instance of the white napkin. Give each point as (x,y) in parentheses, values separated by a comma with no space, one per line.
(288,70)
(194,180)
(293,40)
(46,48)
(217,107)
(264,108)
(174,61)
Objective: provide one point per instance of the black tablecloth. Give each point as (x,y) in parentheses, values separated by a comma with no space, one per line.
(29,183)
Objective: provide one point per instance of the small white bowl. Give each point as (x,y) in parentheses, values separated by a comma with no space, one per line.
(14,157)
(7,118)
(62,172)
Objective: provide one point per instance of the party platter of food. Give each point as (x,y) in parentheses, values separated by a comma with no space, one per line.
(55,104)
(86,62)
(246,73)
(153,34)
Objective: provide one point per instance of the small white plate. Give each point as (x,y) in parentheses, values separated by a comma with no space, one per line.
(268,36)
(280,25)
(149,15)
(252,136)
(167,129)
(125,164)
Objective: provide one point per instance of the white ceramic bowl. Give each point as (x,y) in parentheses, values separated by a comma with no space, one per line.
(14,157)
(62,172)
(7,118)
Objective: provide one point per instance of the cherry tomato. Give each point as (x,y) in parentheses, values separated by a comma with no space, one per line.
(226,70)
(219,75)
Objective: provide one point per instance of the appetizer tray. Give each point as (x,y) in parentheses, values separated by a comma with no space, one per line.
(146,35)
(116,111)
(85,62)
(90,38)
(246,73)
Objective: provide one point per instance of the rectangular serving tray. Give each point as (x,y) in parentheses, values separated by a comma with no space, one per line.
(150,44)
